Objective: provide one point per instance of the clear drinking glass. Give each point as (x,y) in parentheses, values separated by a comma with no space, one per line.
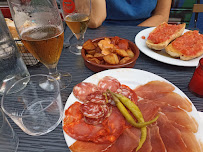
(37,108)
(8,139)
(76,14)
(12,66)
(40,28)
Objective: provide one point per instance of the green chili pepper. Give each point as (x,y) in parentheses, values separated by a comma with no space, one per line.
(107,101)
(138,115)
(128,117)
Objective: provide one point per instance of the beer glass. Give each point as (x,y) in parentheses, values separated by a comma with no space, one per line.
(12,66)
(76,14)
(41,30)
(37,108)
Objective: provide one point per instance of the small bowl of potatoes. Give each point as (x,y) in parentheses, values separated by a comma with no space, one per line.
(109,53)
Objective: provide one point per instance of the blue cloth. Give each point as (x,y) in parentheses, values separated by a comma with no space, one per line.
(128,12)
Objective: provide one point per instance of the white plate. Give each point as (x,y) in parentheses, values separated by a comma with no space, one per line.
(161,56)
(131,78)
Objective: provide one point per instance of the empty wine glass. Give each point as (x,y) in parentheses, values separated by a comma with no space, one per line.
(41,30)
(76,14)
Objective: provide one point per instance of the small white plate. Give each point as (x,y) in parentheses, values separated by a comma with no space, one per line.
(131,78)
(161,56)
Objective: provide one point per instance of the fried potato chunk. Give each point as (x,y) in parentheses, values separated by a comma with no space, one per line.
(106,46)
(130,53)
(89,45)
(89,56)
(95,60)
(92,52)
(111,58)
(122,52)
(124,60)
(99,56)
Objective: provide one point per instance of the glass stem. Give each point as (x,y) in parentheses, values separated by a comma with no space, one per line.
(80,42)
(54,73)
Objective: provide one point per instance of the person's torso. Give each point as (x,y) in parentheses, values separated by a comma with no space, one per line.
(129,10)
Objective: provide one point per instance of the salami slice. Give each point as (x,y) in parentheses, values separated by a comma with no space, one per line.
(96,97)
(92,110)
(95,121)
(110,83)
(128,92)
(81,90)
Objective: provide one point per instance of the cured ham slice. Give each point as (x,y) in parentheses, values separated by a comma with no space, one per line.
(81,146)
(153,89)
(81,90)
(170,135)
(156,140)
(110,83)
(148,108)
(106,132)
(176,100)
(189,139)
(127,142)
(180,117)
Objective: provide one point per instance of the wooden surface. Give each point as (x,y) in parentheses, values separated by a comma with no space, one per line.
(54,141)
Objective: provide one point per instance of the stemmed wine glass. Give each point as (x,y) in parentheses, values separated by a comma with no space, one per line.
(41,30)
(76,14)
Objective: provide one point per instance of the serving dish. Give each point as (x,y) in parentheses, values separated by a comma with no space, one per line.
(133,78)
(162,56)
(100,67)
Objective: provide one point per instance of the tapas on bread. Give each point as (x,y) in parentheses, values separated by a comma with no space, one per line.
(162,55)
(185,47)
(163,34)
(91,124)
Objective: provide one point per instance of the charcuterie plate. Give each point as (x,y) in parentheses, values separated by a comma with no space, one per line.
(132,78)
(161,56)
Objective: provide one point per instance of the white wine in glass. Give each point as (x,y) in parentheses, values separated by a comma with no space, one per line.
(76,14)
(41,30)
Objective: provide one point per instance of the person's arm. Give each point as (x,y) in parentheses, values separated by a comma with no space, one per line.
(160,15)
(98,13)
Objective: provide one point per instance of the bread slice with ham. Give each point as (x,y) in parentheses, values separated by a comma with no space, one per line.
(187,47)
(163,34)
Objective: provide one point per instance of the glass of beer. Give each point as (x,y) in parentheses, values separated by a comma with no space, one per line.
(76,14)
(40,28)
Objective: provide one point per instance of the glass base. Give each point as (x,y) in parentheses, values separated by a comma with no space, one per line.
(65,79)
(75,49)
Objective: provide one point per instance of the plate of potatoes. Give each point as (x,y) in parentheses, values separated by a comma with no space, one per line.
(109,53)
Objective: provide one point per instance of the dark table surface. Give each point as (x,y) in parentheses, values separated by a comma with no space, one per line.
(54,141)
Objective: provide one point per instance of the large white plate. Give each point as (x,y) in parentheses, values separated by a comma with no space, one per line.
(132,78)
(161,56)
